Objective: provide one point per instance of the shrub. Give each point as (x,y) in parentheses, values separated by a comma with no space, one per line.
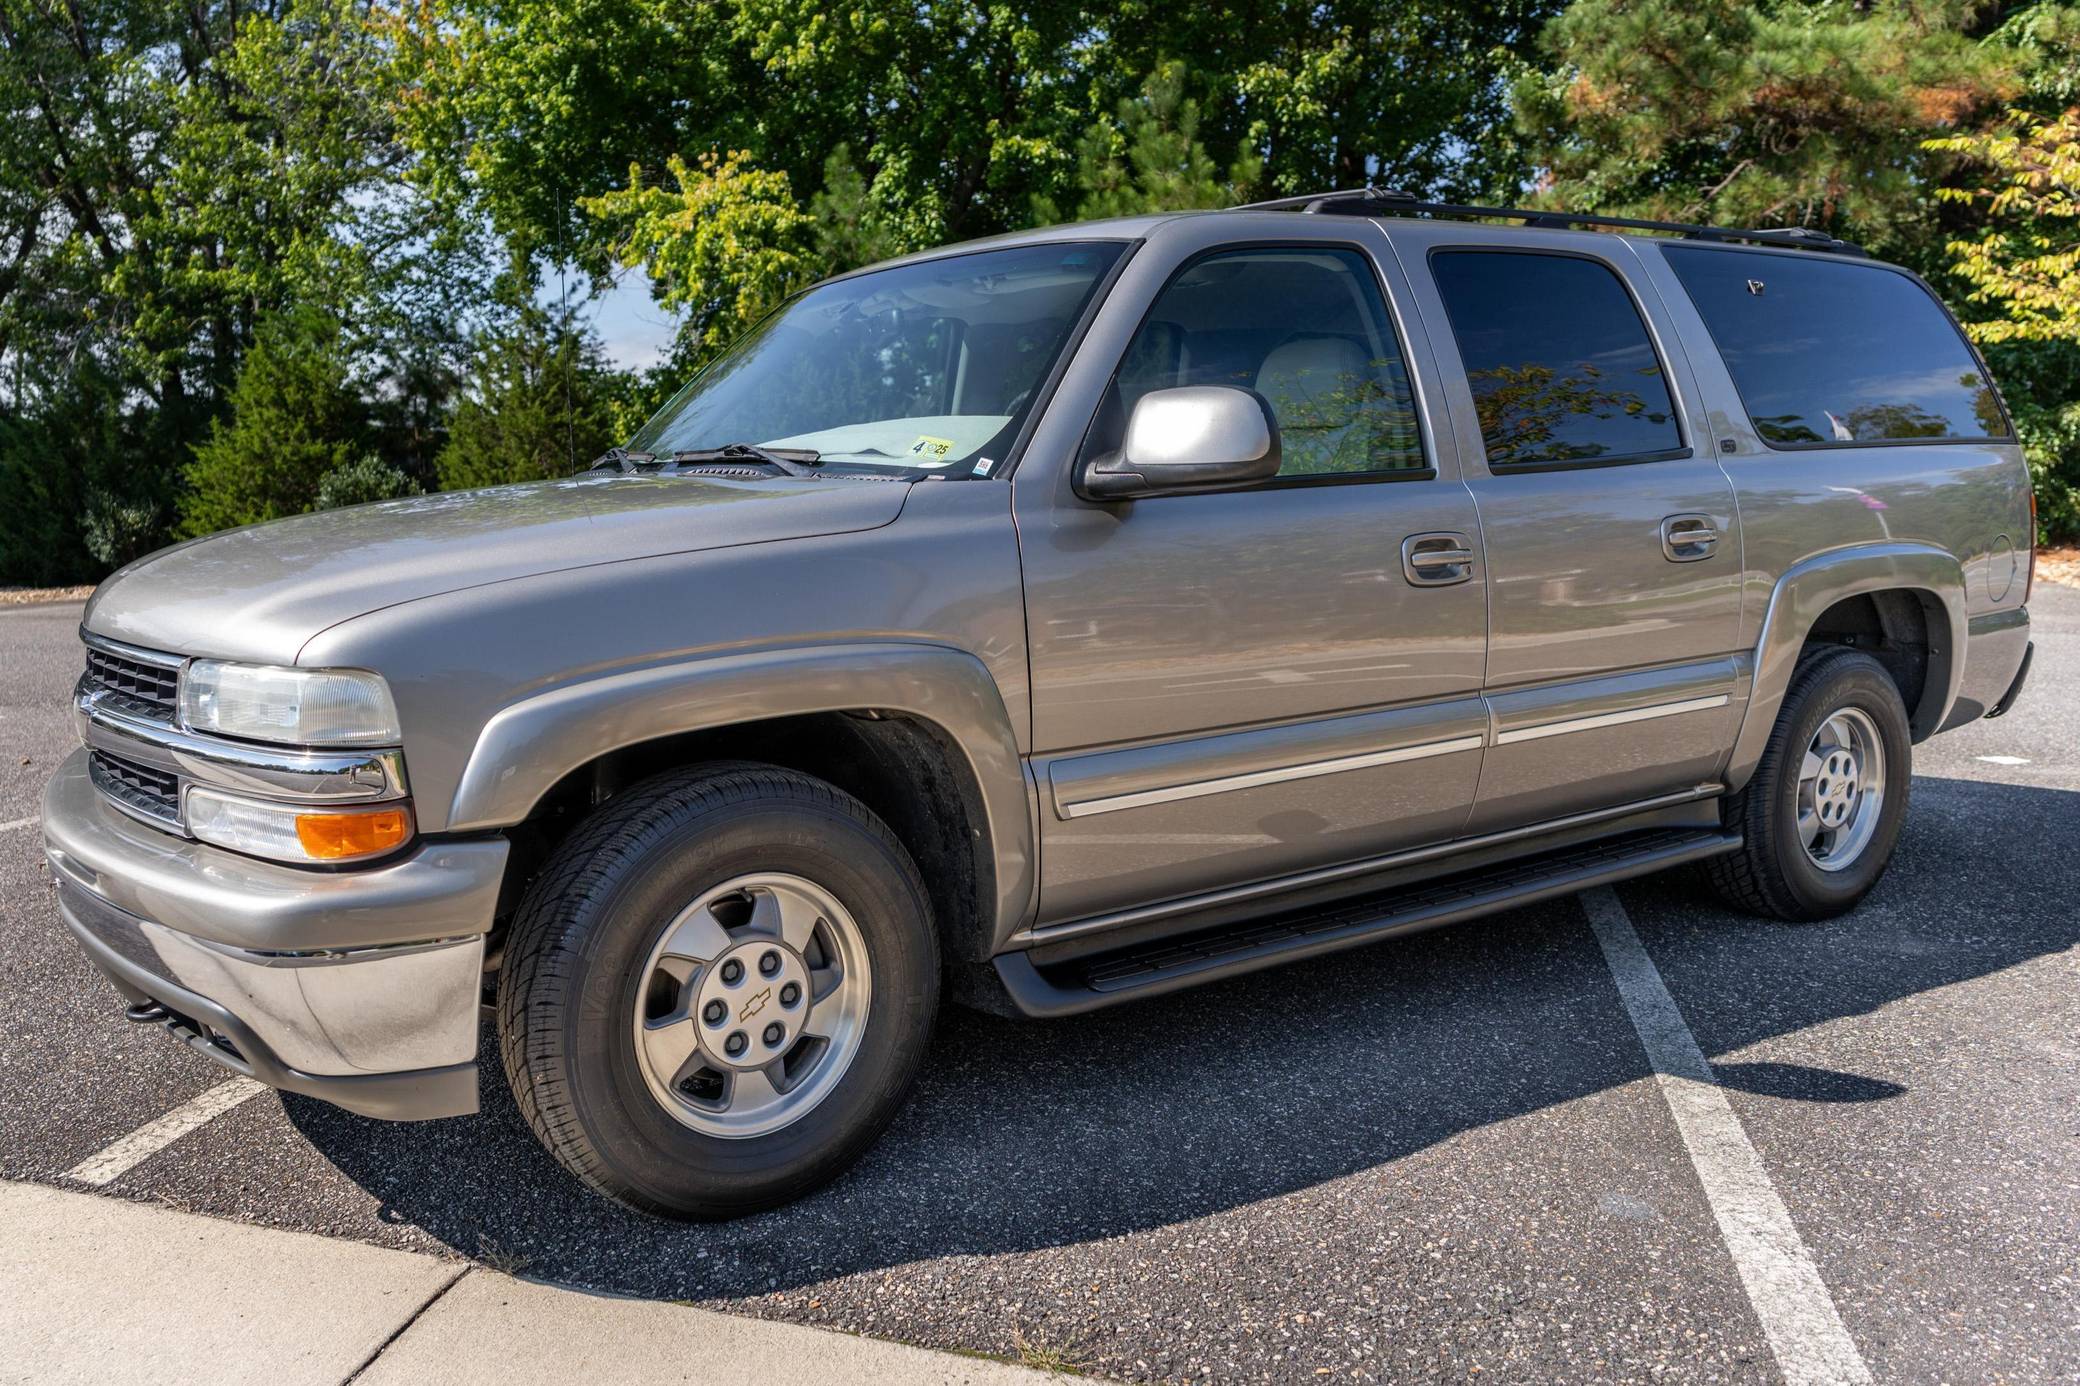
(366,478)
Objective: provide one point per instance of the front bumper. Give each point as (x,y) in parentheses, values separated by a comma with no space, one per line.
(358,987)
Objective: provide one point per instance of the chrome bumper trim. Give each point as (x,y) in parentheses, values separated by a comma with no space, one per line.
(437,889)
(270,771)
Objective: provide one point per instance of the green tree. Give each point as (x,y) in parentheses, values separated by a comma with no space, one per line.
(295,414)
(535,402)
(954,117)
(724,244)
(2025,262)
(851,228)
(1151,159)
(1757,112)
(171,176)
(2016,256)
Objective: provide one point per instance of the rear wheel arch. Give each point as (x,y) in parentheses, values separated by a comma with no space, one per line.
(1905,630)
(1911,594)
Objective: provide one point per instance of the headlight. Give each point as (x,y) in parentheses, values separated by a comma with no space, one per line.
(290,832)
(303,707)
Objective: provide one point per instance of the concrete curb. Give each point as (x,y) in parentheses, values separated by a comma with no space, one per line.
(100,1290)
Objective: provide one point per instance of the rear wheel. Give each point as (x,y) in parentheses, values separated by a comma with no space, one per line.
(1823,810)
(718,991)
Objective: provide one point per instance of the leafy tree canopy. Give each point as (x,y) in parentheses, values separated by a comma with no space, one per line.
(1771,113)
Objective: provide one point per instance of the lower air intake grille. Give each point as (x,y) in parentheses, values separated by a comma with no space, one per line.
(143,790)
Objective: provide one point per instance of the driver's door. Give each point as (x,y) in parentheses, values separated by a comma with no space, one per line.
(1234,687)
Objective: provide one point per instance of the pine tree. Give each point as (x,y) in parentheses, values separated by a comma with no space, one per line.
(1802,113)
(534,403)
(1153,160)
(295,414)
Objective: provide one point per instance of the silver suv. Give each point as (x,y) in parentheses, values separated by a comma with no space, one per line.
(1060,619)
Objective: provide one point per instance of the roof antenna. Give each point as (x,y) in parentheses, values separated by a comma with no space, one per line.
(570,423)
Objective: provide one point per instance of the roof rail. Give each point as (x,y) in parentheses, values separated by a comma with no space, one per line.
(1392,202)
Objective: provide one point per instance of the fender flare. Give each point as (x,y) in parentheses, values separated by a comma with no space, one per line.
(1805,592)
(528,746)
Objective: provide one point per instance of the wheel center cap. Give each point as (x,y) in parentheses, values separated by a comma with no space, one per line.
(751,1003)
(1839,782)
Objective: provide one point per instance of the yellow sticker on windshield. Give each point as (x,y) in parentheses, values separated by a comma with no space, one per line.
(930,449)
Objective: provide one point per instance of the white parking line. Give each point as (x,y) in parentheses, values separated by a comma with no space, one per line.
(14,823)
(1784,1286)
(154,1136)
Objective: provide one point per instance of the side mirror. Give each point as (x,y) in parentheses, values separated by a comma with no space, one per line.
(1194,438)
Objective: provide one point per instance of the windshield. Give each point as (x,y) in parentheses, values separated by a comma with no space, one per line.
(931,365)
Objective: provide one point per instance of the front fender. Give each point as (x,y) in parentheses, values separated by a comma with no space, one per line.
(1805,592)
(530,745)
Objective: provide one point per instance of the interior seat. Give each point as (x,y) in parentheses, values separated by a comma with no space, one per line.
(1317,387)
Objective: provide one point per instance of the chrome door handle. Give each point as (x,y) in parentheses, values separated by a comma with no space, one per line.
(1687,538)
(1436,560)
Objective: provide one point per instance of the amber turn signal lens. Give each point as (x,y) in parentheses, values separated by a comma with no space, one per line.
(338,836)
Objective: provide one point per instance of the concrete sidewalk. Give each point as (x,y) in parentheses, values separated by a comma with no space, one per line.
(95,1289)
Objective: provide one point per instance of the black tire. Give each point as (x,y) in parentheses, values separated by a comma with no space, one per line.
(569,985)
(1772,874)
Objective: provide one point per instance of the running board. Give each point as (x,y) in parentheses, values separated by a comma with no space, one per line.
(1169,964)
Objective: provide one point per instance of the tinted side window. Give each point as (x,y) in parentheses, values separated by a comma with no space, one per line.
(1558,358)
(1304,327)
(1824,351)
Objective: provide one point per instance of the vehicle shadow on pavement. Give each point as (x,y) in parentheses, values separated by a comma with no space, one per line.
(1027,1135)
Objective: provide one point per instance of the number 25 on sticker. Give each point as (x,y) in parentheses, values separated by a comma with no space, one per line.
(931,449)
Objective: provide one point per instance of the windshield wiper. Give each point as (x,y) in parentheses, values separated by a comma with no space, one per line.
(622,460)
(792,462)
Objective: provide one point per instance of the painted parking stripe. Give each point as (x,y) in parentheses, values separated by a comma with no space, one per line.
(154,1136)
(1784,1286)
(14,823)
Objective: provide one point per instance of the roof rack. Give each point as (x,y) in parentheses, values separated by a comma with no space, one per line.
(1392,202)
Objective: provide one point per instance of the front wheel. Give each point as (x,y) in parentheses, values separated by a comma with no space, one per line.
(1822,812)
(718,991)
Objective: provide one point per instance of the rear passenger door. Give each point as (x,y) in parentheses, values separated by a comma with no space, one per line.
(1612,540)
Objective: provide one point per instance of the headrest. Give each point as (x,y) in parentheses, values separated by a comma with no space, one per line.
(1315,382)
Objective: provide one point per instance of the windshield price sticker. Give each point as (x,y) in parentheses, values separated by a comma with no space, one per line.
(931,449)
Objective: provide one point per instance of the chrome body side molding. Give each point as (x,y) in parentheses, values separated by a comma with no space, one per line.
(1610,719)
(1279,775)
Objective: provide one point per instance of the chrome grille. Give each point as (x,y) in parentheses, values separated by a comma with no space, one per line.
(143,790)
(138,687)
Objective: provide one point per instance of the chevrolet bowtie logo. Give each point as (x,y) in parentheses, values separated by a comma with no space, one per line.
(756,1004)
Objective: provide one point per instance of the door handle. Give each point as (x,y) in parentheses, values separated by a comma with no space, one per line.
(1687,538)
(1436,560)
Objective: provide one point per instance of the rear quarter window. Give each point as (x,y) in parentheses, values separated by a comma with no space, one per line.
(1827,352)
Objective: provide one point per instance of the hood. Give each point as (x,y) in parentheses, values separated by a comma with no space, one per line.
(261,592)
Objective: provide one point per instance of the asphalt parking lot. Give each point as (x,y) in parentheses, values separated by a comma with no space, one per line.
(1429,1159)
